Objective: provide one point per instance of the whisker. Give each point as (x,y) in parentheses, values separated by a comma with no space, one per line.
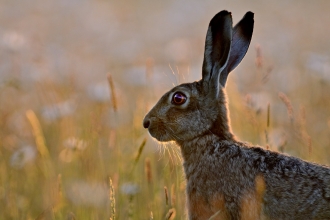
(174,155)
(177,69)
(177,152)
(176,79)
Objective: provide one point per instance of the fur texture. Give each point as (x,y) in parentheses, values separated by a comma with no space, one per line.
(225,177)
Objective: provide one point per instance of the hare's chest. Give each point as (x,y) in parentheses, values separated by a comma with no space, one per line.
(212,175)
(225,189)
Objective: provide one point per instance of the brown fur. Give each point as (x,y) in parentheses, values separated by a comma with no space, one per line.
(199,206)
(252,202)
(228,179)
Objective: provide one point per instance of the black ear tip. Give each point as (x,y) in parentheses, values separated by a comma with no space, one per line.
(219,16)
(247,23)
(249,15)
(223,13)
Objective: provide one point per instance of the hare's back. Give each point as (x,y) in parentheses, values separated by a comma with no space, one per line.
(295,189)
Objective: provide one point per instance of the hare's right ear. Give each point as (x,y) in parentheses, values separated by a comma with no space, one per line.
(217,50)
(242,35)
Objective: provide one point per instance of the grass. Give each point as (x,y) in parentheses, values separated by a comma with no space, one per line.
(78,166)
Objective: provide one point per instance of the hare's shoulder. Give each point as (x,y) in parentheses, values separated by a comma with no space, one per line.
(266,161)
(288,173)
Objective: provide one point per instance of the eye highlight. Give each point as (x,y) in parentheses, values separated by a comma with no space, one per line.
(179,98)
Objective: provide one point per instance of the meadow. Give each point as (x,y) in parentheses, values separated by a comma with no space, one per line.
(77,78)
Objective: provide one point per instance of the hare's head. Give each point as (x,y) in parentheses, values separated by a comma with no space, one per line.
(193,109)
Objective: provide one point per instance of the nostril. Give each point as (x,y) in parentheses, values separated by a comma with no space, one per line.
(146,123)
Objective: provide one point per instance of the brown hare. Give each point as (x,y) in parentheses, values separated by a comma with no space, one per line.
(228,179)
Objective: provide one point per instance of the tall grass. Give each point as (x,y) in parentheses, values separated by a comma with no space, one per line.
(74,149)
(80,166)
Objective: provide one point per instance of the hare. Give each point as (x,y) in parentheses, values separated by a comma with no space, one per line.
(228,179)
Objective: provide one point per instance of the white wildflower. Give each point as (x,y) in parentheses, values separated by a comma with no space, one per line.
(57,111)
(22,156)
(129,188)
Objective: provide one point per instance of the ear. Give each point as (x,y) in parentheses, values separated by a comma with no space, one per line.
(217,49)
(242,35)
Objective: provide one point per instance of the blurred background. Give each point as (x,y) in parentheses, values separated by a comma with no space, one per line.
(78,76)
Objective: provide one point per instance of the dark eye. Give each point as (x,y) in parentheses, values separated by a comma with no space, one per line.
(179,98)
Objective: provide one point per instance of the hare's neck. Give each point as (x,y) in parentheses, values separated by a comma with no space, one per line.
(221,125)
(193,149)
(199,150)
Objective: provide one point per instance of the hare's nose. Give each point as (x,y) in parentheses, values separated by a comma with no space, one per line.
(146,123)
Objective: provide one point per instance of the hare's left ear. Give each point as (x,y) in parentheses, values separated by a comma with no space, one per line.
(217,50)
(242,35)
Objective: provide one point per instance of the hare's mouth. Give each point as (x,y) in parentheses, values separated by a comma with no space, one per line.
(162,137)
(158,131)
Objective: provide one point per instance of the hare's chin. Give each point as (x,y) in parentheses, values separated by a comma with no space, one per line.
(163,137)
